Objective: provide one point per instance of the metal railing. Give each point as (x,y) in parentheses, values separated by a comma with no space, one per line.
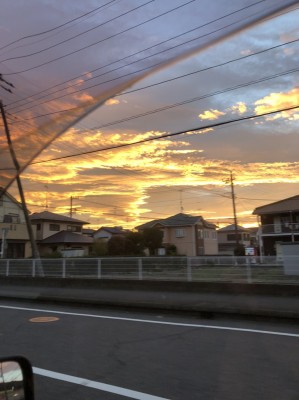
(200,269)
(282,228)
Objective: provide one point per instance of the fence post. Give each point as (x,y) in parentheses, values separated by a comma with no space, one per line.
(140,269)
(248,270)
(7,267)
(99,268)
(189,270)
(33,268)
(63,268)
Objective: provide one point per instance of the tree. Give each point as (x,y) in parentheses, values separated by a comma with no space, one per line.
(100,248)
(134,243)
(152,239)
(117,245)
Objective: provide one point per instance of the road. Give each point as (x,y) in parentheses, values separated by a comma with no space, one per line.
(95,353)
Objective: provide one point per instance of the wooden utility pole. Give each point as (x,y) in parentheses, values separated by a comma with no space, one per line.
(230,180)
(35,252)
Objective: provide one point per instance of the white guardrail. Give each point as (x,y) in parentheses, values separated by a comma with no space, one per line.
(200,269)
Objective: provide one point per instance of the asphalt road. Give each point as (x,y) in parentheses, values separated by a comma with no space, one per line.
(81,353)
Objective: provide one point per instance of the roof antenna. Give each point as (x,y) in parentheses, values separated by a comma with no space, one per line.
(181,201)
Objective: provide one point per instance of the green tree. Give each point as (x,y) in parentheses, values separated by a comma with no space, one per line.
(134,243)
(100,248)
(152,239)
(116,245)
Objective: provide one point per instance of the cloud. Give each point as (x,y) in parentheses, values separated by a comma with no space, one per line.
(211,115)
(279,100)
(240,107)
(111,102)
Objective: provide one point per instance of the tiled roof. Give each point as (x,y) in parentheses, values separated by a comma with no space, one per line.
(177,220)
(67,237)
(49,216)
(286,205)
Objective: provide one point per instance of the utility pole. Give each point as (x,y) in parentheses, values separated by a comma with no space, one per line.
(230,180)
(35,252)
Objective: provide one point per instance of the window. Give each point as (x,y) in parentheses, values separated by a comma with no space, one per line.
(38,227)
(206,234)
(180,233)
(232,237)
(74,228)
(55,227)
(11,218)
(200,233)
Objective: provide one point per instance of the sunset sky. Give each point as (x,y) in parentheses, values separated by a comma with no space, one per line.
(251,73)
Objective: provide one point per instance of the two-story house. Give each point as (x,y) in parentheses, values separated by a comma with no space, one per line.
(192,235)
(229,236)
(58,233)
(279,223)
(14,238)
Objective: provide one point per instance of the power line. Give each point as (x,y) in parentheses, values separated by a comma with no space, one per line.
(56,27)
(168,107)
(95,43)
(128,64)
(253,116)
(148,86)
(91,29)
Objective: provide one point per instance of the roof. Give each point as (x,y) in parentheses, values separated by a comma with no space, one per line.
(114,230)
(178,220)
(49,216)
(232,228)
(88,231)
(67,237)
(285,205)
(149,224)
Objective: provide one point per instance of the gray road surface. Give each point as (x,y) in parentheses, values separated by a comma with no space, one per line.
(93,353)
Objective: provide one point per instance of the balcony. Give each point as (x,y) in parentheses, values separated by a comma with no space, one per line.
(280,229)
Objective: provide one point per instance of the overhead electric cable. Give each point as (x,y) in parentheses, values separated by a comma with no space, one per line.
(128,64)
(94,43)
(152,85)
(56,27)
(167,135)
(164,108)
(94,27)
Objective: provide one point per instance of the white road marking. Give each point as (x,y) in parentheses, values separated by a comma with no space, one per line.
(132,394)
(148,321)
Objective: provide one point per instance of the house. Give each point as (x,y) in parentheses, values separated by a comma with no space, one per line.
(192,235)
(69,244)
(58,233)
(14,238)
(279,223)
(88,232)
(227,238)
(106,232)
